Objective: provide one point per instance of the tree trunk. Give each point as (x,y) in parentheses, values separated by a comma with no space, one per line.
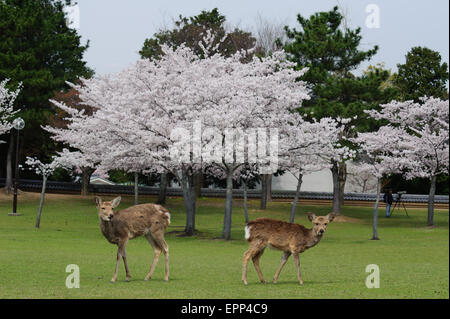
(263,202)
(375,212)
(269,187)
(296,197)
(364,186)
(162,189)
(336,189)
(226,232)
(41,203)
(187,184)
(9,172)
(342,179)
(430,219)
(198,180)
(86,180)
(245,203)
(136,188)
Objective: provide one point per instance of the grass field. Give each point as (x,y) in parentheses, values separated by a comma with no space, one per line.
(413,259)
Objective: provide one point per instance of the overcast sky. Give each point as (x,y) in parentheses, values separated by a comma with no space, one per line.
(117,28)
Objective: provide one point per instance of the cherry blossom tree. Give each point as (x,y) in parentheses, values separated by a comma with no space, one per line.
(85,162)
(134,113)
(310,146)
(425,129)
(7,98)
(128,162)
(45,170)
(246,104)
(382,153)
(362,182)
(151,111)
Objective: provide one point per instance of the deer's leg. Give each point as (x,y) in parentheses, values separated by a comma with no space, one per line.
(252,251)
(247,256)
(157,252)
(255,260)
(158,237)
(297,264)
(124,257)
(284,259)
(114,277)
(121,253)
(165,249)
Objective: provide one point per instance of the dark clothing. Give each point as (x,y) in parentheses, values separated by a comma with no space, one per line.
(388,198)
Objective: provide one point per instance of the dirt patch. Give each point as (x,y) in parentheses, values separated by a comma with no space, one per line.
(346,219)
(35,196)
(181,233)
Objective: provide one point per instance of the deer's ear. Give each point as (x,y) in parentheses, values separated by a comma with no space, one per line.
(116,202)
(311,216)
(331,216)
(98,201)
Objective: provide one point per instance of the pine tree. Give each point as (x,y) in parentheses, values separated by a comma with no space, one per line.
(331,52)
(38,49)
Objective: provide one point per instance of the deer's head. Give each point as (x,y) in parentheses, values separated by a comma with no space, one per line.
(320,222)
(106,209)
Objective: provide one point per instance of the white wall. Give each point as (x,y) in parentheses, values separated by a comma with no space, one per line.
(322,181)
(315,182)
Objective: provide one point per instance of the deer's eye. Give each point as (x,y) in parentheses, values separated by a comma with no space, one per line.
(317,224)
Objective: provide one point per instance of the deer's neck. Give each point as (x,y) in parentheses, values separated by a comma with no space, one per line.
(312,238)
(107,230)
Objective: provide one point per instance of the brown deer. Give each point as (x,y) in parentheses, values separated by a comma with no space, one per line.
(290,238)
(149,220)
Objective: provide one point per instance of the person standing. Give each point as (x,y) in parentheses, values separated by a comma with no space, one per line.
(388,199)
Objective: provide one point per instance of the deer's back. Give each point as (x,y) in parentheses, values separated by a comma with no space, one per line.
(142,219)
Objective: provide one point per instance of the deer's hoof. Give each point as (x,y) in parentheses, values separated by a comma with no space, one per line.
(263,282)
(300,283)
(245,282)
(127,279)
(112,281)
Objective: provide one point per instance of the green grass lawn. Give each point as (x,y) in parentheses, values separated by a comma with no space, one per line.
(413,259)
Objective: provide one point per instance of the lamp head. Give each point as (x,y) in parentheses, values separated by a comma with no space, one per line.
(18,123)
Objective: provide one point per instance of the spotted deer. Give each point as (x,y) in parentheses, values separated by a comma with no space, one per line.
(149,220)
(290,238)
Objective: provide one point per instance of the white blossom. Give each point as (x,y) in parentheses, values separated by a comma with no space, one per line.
(7,111)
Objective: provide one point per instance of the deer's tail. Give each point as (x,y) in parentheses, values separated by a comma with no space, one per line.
(247,232)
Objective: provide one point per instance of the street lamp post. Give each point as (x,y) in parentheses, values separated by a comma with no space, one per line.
(18,124)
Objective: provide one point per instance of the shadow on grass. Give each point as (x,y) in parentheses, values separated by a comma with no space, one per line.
(137,280)
(290,283)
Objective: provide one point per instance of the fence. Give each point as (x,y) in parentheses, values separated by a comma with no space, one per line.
(66,187)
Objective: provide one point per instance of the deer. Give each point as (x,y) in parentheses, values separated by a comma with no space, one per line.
(290,238)
(149,220)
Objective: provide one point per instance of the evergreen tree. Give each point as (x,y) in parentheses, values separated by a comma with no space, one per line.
(38,49)
(190,31)
(423,74)
(331,52)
